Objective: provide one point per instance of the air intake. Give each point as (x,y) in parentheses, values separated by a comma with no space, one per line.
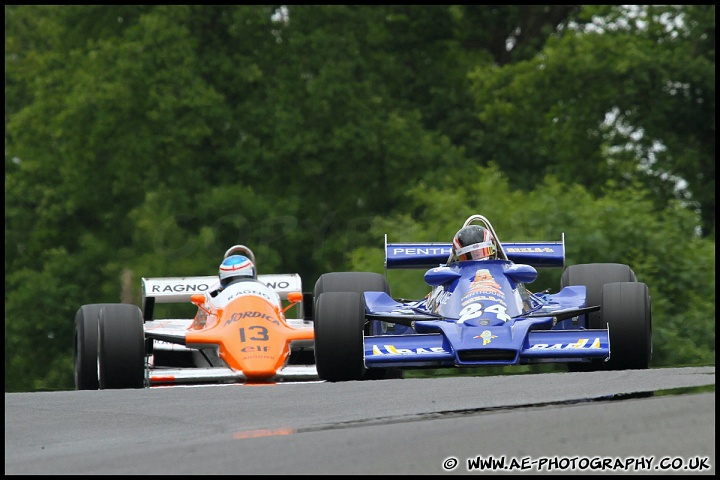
(487,355)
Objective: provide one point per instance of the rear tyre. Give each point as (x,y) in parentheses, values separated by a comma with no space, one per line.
(85,346)
(358,282)
(593,276)
(339,344)
(121,347)
(626,311)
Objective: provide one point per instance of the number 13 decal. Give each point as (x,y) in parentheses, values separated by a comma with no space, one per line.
(260,334)
(475,310)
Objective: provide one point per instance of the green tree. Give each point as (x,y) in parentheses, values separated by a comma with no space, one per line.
(630,99)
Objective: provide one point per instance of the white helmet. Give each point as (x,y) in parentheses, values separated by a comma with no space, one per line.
(235,267)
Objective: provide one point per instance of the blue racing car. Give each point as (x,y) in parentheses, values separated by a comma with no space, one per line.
(479,311)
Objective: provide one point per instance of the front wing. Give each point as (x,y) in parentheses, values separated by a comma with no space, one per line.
(446,344)
(180,376)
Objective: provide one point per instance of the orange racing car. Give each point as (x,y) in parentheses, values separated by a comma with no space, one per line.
(240,334)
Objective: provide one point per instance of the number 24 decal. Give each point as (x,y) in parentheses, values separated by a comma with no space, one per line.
(475,310)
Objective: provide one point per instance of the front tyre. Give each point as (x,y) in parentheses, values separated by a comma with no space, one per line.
(358,282)
(339,339)
(121,347)
(626,312)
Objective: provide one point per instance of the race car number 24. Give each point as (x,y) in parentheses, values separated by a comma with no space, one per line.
(475,310)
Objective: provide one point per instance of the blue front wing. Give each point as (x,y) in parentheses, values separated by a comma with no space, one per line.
(484,346)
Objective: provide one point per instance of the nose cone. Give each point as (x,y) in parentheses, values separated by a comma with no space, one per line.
(251,336)
(259,376)
(254,338)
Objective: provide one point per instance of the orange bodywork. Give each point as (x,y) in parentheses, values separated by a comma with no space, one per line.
(251,334)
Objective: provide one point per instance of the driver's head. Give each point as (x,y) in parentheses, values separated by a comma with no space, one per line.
(474,242)
(235,267)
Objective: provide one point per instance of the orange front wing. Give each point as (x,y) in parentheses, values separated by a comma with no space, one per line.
(251,334)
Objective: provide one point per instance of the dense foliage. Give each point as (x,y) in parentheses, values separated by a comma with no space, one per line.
(144,140)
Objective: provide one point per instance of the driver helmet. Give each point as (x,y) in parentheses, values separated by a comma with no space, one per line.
(236,267)
(473,242)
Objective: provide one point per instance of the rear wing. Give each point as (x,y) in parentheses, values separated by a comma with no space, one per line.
(180,289)
(429,255)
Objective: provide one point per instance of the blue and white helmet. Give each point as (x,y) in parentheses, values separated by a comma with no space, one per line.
(235,267)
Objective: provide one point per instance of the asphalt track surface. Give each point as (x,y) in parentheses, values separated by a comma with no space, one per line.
(657,421)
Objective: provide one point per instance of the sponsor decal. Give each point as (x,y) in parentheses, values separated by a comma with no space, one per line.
(529,250)
(486,336)
(391,350)
(255,348)
(579,345)
(180,288)
(236,317)
(282,285)
(421,251)
(484,283)
(468,299)
(249,291)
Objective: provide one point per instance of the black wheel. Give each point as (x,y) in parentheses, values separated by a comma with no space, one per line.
(358,282)
(339,345)
(85,346)
(594,276)
(626,311)
(121,347)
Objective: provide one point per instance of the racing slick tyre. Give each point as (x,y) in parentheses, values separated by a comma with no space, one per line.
(626,311)
(593,276)
(358,282)
(121,347)
(85,346)
(339,345)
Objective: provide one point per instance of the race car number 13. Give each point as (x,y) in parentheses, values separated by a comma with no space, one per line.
(259,334)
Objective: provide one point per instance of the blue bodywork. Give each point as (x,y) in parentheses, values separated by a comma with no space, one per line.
(480,313)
